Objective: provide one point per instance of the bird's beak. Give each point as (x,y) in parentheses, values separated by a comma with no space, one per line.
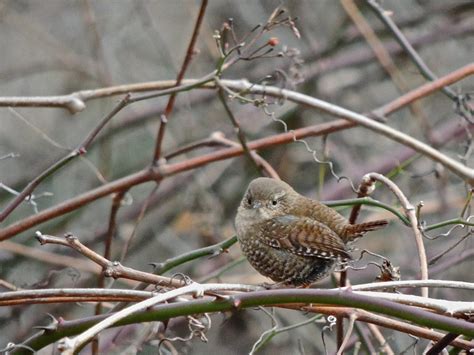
(256,204)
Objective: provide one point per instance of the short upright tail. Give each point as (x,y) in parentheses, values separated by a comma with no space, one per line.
(354,231)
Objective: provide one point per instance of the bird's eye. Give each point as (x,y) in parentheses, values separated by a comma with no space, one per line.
(274,202)
(249,200)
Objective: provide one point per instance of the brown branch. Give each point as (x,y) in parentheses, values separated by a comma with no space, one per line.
(442,343)
(78,201)
(179,78)
(238,130)
(116,203)
(110,268)
(36,296)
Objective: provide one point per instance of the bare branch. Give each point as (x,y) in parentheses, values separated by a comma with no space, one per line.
(370,180)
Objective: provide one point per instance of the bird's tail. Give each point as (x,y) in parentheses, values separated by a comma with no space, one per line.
(354,231)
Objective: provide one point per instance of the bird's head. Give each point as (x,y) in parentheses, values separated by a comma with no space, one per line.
(266,198)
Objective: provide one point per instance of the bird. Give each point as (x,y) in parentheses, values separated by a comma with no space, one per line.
(290,238)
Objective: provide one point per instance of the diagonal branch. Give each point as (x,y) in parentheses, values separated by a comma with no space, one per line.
(184,67)
(80,150)
(456,167)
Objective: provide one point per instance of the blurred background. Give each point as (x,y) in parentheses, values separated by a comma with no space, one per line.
(57,47)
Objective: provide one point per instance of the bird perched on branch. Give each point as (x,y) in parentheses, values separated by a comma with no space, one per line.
(291,238)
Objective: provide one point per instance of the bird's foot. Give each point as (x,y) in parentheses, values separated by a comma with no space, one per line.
(274,286)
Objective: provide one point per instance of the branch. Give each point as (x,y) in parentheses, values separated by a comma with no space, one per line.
(211,250)
(80,150)
(373,303)
(166,311)
(184,67)
(238,130)
(111,268)
(71,295)
(405,44)
(411,284)
(456,167)
(369,180)
(69,346)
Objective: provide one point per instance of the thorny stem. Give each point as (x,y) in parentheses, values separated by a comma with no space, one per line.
(289,298)
(447,223)
(69,346)
(370,202)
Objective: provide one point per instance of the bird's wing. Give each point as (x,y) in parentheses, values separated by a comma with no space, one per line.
(303,236)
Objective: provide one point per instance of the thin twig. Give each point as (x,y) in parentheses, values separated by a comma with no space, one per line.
(212,250)
(238,130)
(179,78)
(442,344)
(50,257)
(140,217)
(111,269)
(374,329)
(116,204)
(261,163)
(350,327)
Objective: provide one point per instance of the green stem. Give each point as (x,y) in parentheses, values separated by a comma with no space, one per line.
(447,223)
(258,298)
(212,250)
(370,202)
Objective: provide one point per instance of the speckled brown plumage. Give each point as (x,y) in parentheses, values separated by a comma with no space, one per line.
(291,238)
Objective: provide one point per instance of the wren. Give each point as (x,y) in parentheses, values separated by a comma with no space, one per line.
(290,238)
